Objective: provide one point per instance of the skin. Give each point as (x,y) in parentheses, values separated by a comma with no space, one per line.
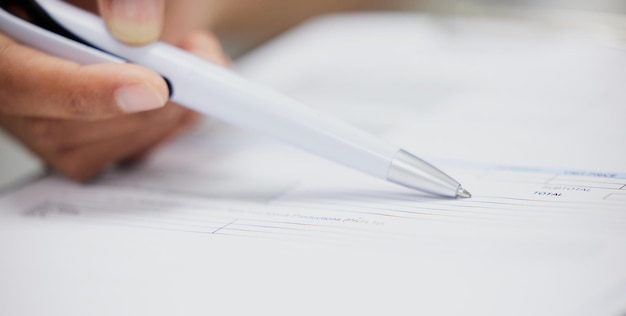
(81,119)
(77,125)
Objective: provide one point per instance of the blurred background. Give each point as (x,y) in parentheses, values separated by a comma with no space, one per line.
(241,27)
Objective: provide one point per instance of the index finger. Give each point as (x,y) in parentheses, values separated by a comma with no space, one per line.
(35,84)
(134,22)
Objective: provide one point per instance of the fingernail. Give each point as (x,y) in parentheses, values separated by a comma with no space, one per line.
(137,98)
(135,22)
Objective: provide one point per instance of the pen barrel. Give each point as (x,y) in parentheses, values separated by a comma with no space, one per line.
(219,92)
(48,42)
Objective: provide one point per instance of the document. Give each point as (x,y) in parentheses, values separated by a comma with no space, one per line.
(529,120)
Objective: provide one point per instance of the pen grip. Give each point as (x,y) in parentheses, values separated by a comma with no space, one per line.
(219,92)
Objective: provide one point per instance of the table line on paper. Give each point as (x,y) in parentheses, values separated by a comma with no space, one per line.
(218,226)
(421,215)
(342,232)
(521,220)
(475,202)
(224,226)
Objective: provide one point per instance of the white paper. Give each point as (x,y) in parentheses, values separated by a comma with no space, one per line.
(528,119)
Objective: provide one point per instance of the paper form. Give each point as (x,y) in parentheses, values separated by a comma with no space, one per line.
(222,221)
(545,202)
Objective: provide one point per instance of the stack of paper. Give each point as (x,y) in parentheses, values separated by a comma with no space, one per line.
(529,119)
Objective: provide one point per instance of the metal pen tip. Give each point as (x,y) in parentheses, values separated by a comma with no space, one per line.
(463,193)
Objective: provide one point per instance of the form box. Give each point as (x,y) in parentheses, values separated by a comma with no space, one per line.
(590,182)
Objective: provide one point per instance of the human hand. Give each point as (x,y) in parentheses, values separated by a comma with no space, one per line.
(138,22)
(134,22)
(81,119)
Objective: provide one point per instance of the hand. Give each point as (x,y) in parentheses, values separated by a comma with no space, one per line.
(138,22)
(134,22)
(81,119)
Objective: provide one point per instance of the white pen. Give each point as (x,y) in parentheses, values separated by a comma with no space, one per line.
(213,90)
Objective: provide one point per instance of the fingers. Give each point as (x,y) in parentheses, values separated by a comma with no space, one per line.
(68,114)
(86,162)
(188,119)
(134,22)
(84,157)
(36,84)
(54,134)
(205,45)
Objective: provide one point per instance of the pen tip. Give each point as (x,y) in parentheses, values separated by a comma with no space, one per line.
(463,193)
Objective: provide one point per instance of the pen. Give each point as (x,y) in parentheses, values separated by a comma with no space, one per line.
(69,32)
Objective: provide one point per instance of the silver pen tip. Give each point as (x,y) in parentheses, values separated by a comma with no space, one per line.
(463,193)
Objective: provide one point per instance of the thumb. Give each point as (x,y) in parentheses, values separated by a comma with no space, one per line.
(134,22)
(36,84)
